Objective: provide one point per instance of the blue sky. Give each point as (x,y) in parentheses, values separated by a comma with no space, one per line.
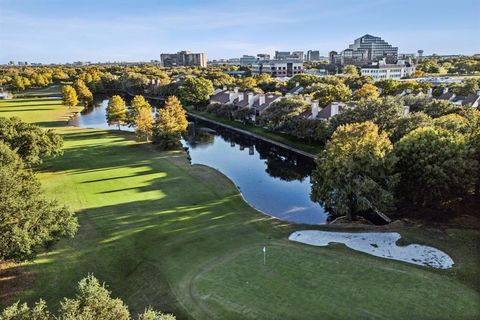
(114,30)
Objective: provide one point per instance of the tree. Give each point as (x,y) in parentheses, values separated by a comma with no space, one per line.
(116,111)
(248,83)
(327,93)
(302,79)
(69,95)
(410,122)
(453,122)
(170,123)
(27,219)
(144,123)
(196,91)
(84,93)
(388,86)
(137,103)
(31,142)
(350,70)
(384,112)
(281,114)
(435,167)
(92,301)
(353,173)
(366,91)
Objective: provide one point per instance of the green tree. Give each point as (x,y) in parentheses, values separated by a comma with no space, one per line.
(137,103)
(384,112)
(116,111)
(410,122)
(69,95)
(27,219)
(281,114)
(327,93)
(170,123)
(248,83)
(196,91)
(353,173)
(84,93)
(435,167)
(388,86)
(92,301)
(144,123)
(31,142)
(453,122)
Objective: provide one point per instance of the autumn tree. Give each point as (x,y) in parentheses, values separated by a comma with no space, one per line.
(144,123)
(366,91)
(116,111)
(27,219)
(69,96)
(92,301)
(350,70)
(137,103)
(84,93)
(170,123)
(353,173)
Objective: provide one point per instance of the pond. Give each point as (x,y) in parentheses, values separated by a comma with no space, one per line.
(271,179)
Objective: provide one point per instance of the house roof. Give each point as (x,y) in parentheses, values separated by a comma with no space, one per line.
(296,90)
(327,111)
(268,100)
(446,96)
(469,100)
(221,97)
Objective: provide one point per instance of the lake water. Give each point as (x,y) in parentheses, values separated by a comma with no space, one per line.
(273,180)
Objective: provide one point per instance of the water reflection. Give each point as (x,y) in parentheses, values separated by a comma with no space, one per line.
(273,180)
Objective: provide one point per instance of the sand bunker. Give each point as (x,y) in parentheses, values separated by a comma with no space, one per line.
(380,244)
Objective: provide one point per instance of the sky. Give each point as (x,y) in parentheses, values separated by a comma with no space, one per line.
(58,31)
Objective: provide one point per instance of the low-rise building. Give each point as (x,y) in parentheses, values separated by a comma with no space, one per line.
(278,68)
(382,70)
(471,100)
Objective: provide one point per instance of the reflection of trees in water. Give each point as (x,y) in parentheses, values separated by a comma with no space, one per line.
(283,164)
(197,135)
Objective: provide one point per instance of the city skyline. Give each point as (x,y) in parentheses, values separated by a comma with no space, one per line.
(48,32)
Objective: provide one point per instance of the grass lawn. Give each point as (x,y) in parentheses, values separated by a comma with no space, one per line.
(180,238)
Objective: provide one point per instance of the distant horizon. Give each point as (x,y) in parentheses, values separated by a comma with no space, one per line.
(59,32)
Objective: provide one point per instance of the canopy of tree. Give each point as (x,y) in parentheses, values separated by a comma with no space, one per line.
(69,95)
(170,123)
(27,219)
(31,143)
(91,302)
(354,172)
(196,91)
(116,111)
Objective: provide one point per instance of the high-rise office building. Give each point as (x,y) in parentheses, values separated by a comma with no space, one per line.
(263,56)
(313,55)
(365,50)
(183,58)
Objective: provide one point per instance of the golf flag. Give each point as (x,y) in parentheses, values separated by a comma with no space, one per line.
(264,255)
(264,249)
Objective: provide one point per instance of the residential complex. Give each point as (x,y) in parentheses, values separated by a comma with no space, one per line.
(365,50)
(382,70)
(183,58)
(278,68)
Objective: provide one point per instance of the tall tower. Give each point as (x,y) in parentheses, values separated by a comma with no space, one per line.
(420,55)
